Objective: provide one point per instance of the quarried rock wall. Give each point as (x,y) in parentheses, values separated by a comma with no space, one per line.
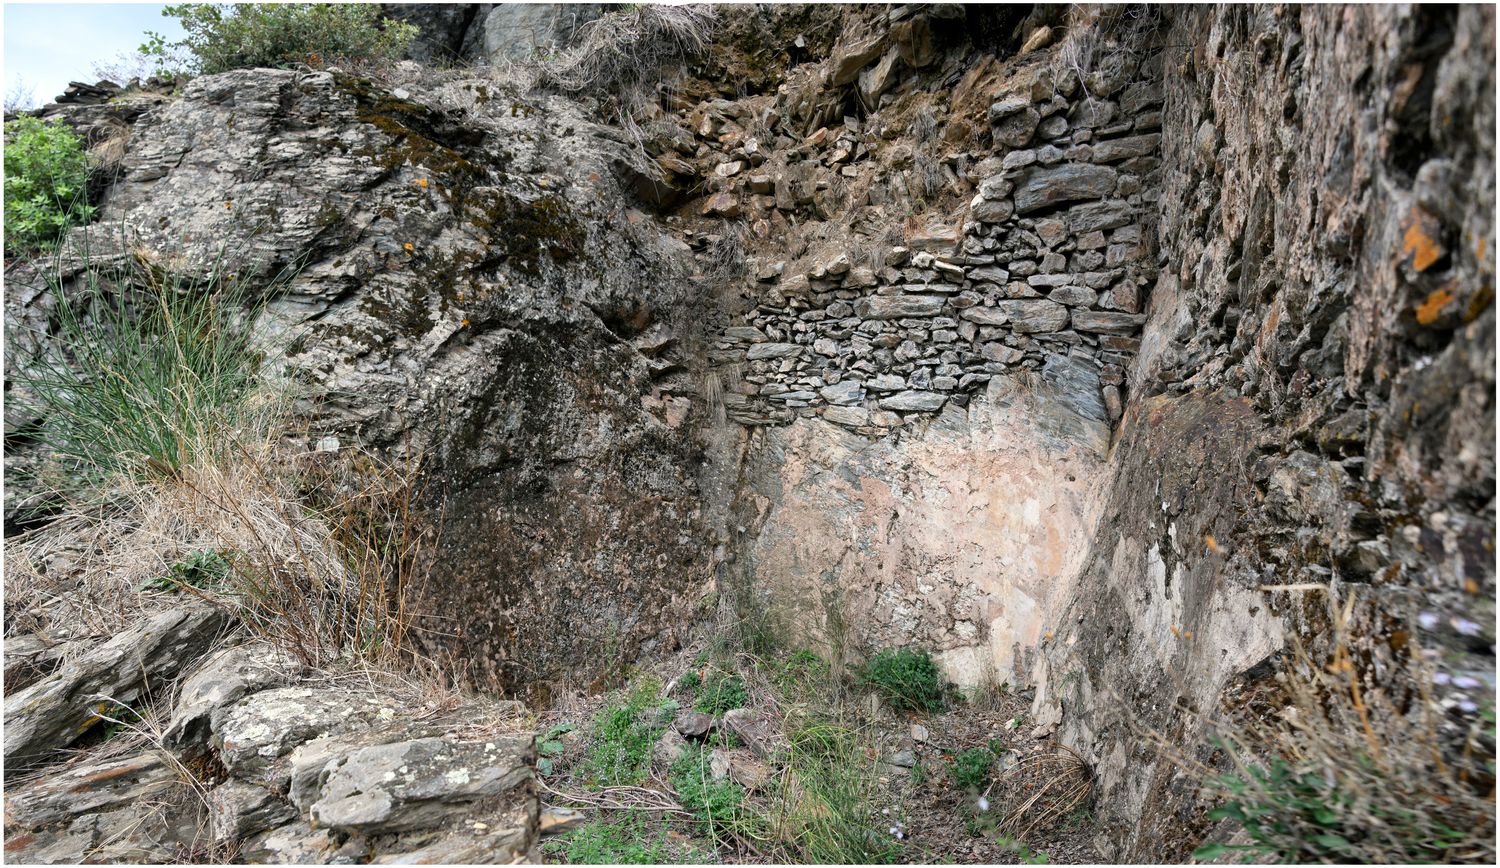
(1314,393)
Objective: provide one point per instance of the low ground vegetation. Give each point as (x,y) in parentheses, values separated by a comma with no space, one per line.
(833,778)
(1347,773)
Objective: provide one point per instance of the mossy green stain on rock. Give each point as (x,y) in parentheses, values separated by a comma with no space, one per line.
(474,181)
(521,232)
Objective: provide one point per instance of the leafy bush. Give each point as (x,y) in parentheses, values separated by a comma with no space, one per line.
(907,679)
(631,840)
(46,184)
(720,693)
(550,747)
(971,769)
(149,372)
(715,803)
(624,735)
(245,35)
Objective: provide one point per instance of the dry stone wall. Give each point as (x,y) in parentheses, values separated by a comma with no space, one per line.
(1049,260)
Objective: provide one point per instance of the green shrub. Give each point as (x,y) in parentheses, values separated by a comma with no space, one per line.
(971,769)
(632,840)
(46,184)
(720,693)
(149,372)
(624,735)
(244,35)
(715,803)
(907,679)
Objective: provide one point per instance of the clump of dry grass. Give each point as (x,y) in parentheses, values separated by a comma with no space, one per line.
(1347,771)
(319,548)
(620,49)
(1103,39)
(1042,789)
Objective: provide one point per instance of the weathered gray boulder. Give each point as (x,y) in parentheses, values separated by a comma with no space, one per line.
(417,784)
(237,810)
(447,301)
(58,710)
(296,843)
(1033,316)
(89,788)
(898,306)
(1106,322)
(914,400)
(221,681)
(255,733)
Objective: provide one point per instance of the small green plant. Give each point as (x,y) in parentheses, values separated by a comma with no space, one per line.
(245,35)
(631,840)
(716,804)
(624,735)
(46,184)
(691,682)
(203,570)
(721,692)
(971,769)
(907,679)
(150,372)
(550,748)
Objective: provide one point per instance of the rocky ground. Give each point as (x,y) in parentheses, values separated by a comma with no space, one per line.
(251,756)
(1101,351)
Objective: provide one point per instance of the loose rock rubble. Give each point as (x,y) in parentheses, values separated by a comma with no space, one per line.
(306,773)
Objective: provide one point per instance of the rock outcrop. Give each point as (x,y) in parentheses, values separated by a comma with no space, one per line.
(1087,356)
(309,773)
(448,300)
(1315,387)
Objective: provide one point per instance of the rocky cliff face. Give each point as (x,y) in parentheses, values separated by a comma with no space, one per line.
(1060,346)
(449,303)
(1316,385)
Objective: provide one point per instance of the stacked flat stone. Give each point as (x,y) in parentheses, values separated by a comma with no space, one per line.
(1052,260)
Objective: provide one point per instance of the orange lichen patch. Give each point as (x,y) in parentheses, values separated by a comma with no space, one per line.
(1211,543)
(1429,310)
(1420,239)
(463,324)
(407,247)
(1471,586)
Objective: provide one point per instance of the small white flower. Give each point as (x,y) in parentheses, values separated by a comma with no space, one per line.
(895,831)
(1428,620)
(885,812)
(1467,706)
(1440,678)
(1465,626)
(1466,682)
(984,804)
(900,835)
